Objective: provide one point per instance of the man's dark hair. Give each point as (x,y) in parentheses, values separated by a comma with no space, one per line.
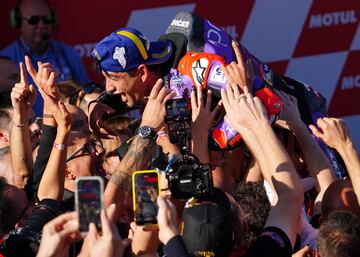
(339,235)
(255,207)
(7,209)
(160,69)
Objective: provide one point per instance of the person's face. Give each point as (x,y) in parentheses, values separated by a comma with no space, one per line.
(87,160)
(9,74)
(35,34)
(35,124)
(128,87)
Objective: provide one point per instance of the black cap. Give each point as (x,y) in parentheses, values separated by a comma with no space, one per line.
(208,227)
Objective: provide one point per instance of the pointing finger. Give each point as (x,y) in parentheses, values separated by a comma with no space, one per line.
(23,77)
(30,67)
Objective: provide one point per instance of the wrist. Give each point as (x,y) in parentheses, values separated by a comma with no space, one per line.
(59,146)
(19,118)
(167,235)
(147,132)
(62,134)
(261,128)
(345,148)
(19,123)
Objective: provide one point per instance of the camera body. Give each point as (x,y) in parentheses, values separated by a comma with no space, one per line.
(188,178)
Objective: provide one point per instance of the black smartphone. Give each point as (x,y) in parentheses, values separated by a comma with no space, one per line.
(89,201)
(145,189)
(179,107)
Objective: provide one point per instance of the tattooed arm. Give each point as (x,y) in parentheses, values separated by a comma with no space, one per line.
(118,190)
(138,157)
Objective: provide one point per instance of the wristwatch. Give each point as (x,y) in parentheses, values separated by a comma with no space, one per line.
(146,132)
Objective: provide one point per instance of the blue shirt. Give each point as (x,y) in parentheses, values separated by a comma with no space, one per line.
(65,59)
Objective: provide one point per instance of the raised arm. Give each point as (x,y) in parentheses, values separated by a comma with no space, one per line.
(52,182)
(247,115)
(202,119)
(335,134)
(138,157)
(317,163)
(22,97)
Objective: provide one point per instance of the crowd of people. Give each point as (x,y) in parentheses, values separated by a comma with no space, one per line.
(275,195)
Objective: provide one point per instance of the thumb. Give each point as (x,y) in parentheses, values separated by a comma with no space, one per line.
(316,132)
(92,234)
(111,211)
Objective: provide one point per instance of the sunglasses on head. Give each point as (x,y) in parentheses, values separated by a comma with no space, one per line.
(35,19)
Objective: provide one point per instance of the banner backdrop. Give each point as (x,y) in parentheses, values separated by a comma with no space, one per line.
(317,42)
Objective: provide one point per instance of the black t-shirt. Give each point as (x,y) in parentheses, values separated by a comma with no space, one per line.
(273,242)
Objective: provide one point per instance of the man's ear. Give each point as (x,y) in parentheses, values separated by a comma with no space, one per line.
(143,73)
(4,136)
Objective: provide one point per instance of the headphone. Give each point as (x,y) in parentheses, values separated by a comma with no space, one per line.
(16,19)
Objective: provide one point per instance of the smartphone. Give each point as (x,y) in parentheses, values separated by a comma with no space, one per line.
(89,201)
(178,108)
(145,190)
(178,120)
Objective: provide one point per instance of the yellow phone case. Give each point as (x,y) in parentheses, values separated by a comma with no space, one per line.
(134,190)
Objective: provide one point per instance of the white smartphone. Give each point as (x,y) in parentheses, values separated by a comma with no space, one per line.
(89,201)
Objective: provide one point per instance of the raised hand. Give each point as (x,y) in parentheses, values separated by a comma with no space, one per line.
(289,115)
(238,72)
(58,234)
(153,115)
(202,121)
(243,111)
(202,116)
(166,220)
(332,131)
(45,79)
(109,244)
(49,91)
(23,96)
(41,77)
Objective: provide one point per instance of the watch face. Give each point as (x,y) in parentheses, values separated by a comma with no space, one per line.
(145,131)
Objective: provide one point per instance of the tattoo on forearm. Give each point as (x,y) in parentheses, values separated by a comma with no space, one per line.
(122,179)
(139,154)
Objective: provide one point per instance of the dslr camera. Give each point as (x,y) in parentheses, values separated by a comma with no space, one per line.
(187,177)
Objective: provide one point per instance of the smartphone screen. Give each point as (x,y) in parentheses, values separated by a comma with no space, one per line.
(145,193)
(89,191)
(177,107)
